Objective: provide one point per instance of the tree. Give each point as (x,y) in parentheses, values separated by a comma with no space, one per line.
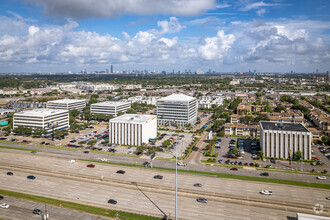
(38,132)
(233,151)
(130,111)
(141,148)
(152,150)
(217,125)
(260,154)
(120,113)
(74,113)
(7,129)
(221,134)
(280,108)
(268,109)
(325,139)
(298,155)
(248,119)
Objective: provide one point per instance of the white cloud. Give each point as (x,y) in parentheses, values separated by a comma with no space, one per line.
(171,26)
(81,9)
(257,5)
(261,11)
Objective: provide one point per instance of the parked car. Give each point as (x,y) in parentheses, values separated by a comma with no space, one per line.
(90,165)
(112,201)
(198,184)
(264,174)
(1,197)
(266,192)
(181,164)
(322,177)
(327,198)
(86,151)
(234,169)
(31,177)
(10,173)
(121,171)
(220,161)
(158,177)
(4,205)
(33,152)
(36,211)
(201,200)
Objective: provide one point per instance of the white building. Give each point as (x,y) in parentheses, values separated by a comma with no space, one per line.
(282,139)
(68,104)
(42,118)
(96,87)
(150,100)
(177,109)
(132,129)
(110,107)
(208,101)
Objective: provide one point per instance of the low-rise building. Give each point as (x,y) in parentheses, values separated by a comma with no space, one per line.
(283,140)
(68,104)
(42,118)
(110,107)
(320,119)
(241,129)
(132,129)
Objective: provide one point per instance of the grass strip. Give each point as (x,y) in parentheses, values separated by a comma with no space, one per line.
(61,147)
(14,142)
(116,154)
(17,148)
(78,207)
(230,176)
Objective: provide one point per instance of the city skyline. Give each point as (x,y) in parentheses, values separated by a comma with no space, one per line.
(225,36)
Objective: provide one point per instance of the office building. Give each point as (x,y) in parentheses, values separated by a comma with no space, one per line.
(283,140)
(132,129)
(177,109)
(42,118)
(68,104)
(110,107)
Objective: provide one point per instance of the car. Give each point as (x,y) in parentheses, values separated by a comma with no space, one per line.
(264,174)
(246,164)
(322,177)
(86,152)
(181,164)
(90,165)
(10,173)
(251,164)
(158,177)
(266,192)
(42,142)
(1,197)
(315,158)
(327,198)
(240,163)
(121,171)
(36,211)
(198,184)
(47,144)
(4,205)
(220,161)
(201,200)
(33,152)
(234,169)
(112,201)
(31,177)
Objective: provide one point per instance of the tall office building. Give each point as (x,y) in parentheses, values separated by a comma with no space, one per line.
(111,68)
(110,108)
(68,104)
(283,140)
(177,109)
(132,129)
(42,118)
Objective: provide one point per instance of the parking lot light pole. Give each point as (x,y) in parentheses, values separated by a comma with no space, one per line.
(176,182)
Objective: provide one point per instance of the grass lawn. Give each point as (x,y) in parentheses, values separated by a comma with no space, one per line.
(75,206)
(17,148)
(62,147)
(116,154)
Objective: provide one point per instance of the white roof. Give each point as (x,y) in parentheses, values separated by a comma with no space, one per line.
(177,97)
(42,112)
(134,118)
(109,103)
(6,110)
(66,101)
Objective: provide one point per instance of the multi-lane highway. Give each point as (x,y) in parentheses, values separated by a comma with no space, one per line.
(137,190)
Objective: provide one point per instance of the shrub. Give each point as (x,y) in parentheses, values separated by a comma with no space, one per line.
(325,171)
(257,165)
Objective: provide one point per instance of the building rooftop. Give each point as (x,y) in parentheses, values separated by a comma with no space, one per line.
(109,103)
(42,112)
(280,126)
(177,97)
(134,118)
(4,110)
(65,101)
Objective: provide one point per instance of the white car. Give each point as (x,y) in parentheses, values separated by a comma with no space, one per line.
(4,205)
(266,192)
(321,177)
(181,164)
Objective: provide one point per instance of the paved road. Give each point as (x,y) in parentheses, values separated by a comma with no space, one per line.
(167,164)
(22,209)
(196,154)
(61,185)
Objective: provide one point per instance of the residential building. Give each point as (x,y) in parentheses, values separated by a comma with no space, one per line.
(132,129)
(177,109)
(320,118)
(42,118)
(283,140)
(96,87)
(241,129)
(68,104)
(149,100)
(110,107)
(209,101)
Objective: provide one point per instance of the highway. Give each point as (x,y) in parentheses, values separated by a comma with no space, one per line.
(58,178)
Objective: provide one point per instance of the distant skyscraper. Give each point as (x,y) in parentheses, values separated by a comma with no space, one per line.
(111,68)
(106,70)
(328,76)
(317,70)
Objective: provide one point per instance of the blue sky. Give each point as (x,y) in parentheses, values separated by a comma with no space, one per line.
(267,36)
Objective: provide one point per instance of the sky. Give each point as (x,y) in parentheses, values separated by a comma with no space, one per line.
(221,35)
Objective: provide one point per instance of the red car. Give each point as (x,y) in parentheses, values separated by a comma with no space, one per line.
(315,158)
(91,165)
(235,169)
(236,163)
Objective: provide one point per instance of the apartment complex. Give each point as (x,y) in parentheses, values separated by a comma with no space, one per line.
(177,109)
(110,107)
(68,104)
(241,129)
(283,140)
(42,118)
(132,129)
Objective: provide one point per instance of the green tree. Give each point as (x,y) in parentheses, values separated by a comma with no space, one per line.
(74,112)
(130,111)
(260,154)
(325,139)
(297,155)
(120,113)
(141,148)
(280,108)
(268,109)
(217,125)
(152,150)
(7,129)
(38,132)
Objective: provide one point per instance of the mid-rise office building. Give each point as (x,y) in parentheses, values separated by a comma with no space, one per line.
(110,107)
(42,118)
(283,140)
(177,109)
(132,129)
(68,104)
